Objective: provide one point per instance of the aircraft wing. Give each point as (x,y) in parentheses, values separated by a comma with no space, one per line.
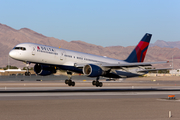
(136,64)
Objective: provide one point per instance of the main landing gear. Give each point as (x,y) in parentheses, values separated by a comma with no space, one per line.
(69,81)
(72,83)
(97,83)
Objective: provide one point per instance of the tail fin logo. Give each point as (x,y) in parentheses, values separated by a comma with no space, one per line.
(139,53)
(141,50)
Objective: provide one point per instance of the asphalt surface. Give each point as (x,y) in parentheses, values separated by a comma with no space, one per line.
(45,98)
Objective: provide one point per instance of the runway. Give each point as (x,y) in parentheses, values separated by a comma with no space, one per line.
(50,98)
(18,86)
(19,94)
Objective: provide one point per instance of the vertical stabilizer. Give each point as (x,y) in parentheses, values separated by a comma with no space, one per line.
(139,53)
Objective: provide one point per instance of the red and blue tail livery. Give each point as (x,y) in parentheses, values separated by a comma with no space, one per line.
(139,53)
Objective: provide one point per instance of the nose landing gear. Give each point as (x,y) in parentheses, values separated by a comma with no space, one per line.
(27,73)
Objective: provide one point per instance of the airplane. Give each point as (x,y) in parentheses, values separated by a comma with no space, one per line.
(48,60)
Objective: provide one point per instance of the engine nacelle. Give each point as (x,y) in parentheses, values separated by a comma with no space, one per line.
(44,70)
(92,70)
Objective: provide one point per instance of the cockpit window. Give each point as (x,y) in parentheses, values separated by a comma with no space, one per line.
(20,48)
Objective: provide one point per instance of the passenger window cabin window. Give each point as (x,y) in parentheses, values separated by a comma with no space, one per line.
(68,56)
(80,58)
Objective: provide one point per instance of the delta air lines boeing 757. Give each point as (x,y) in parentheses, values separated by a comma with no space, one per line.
(48,59)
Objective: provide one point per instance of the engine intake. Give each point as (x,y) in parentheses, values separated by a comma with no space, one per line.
(92,70)
(44,70)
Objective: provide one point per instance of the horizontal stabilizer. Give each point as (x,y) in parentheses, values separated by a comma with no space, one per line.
(148,70)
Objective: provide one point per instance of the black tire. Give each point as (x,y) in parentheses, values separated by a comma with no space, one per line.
(73,83)
(100,84)
(66,81)
(70,82)
(97,83)
(94,82)
(26,73)
(29,73)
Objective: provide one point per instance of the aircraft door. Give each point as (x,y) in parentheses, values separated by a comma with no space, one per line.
(34,50)
(62,58)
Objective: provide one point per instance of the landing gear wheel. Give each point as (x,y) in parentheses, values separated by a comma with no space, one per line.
(97,83)
(100,84)
(94,82)
(66,81)
(27,73)
(69,82)
(73,84)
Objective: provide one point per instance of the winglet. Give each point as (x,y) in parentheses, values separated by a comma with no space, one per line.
(139,53)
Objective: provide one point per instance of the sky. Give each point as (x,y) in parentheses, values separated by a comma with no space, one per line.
(99,22)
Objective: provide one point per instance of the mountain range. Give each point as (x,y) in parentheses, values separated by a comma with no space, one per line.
(163,44)
(9,37)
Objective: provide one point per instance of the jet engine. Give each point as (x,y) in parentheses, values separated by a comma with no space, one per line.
(44,69)
(92,70)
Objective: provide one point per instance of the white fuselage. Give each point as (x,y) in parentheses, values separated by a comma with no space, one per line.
(36,53)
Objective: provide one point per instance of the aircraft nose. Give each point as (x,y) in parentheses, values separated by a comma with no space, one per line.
(12,54)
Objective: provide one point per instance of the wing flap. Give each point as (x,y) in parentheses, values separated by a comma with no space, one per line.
(133,64)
